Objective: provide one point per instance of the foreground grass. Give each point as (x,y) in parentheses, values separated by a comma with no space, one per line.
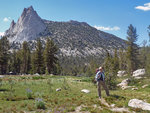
(14,94)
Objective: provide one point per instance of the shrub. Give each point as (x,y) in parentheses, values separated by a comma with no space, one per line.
(29,94)
(49,82)
(111,82)
(40,104)
(65,85)
(11,83)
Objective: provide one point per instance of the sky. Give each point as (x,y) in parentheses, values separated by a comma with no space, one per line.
(112,16)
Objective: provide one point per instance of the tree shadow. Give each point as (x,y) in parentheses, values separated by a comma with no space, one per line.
(118,97)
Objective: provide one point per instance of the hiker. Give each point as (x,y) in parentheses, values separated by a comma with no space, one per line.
(100,78)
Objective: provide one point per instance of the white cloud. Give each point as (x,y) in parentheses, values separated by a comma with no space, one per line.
(6,19)
(1,33)
(115,28)
(146,7)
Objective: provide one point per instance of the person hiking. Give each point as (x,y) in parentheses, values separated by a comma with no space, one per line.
(100,78)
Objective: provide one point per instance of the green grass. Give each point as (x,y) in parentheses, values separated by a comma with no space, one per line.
(13,95)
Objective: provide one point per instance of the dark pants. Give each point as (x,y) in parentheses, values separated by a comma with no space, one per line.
(99,83)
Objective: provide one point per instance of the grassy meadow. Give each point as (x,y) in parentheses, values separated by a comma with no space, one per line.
(36,94)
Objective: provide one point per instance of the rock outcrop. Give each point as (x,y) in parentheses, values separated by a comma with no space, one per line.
(135,103)
(121,73)
(124,83)
(28,27)
(139,73)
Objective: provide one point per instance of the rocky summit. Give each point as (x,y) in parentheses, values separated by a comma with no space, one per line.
(73,38)
(28,27)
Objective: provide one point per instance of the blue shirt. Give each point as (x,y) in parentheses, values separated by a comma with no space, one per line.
(99,75)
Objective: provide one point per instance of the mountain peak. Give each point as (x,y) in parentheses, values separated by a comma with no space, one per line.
(31,8)
(28,26)
(28,11)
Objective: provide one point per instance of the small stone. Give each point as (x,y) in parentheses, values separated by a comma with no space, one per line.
(1,76)
(85,91)
(112,105)
(122,110)
(135,88)
(144,86)
(59,89)
(36,74)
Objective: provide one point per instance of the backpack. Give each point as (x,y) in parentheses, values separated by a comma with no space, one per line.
(99,76)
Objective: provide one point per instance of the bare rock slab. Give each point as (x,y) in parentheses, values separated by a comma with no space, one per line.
(135,103)
(139,73)
(124,82)
(121,73)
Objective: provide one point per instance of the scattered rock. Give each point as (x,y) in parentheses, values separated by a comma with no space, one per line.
(138,77)
(126,87)
(135,103)
(112,105)
(144,86)
(85,91)
(139,73)
(59,89)
(135,88)
(121,73)
(99,107)
(103,101)
(122,110)
(1,76)
(124,82)
(78,110)
(36,74)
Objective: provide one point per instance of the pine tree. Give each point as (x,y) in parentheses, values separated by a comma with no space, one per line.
(13,62)
(115,62)
(4,55)
(38,59)
(132,50)
(122,60)
(25,58)
(143,55)
(110,72)
(50,56)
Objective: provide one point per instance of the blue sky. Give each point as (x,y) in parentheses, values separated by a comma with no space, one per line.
(112,16)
